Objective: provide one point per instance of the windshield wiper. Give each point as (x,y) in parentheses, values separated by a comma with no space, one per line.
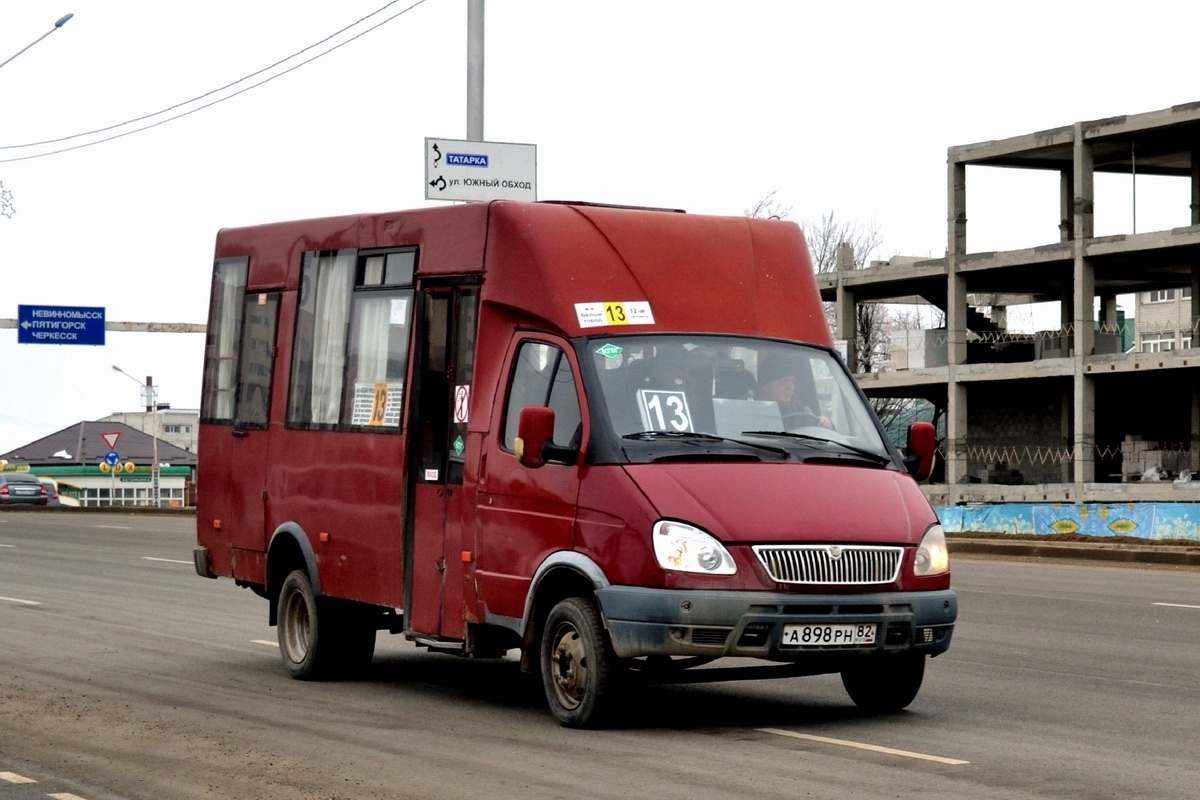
(862,451)
(692,436)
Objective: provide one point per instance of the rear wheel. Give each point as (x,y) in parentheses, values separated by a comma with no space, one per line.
(884,685)
(318,637)
(579,668)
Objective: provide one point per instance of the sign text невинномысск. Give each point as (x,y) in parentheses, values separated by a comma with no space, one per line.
(60,325)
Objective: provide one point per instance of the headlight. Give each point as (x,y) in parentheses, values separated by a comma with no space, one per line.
(685,548)
(933,558)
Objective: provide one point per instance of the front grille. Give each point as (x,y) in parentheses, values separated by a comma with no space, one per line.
(826,564)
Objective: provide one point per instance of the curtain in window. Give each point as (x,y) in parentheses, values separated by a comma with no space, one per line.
(335,280)
(371,339)
(229,286)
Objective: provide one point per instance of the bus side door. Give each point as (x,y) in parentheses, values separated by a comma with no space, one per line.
(441,510)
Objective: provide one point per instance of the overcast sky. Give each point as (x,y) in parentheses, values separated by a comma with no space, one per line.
(844,107)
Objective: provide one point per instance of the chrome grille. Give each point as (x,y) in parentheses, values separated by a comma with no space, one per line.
(830,564)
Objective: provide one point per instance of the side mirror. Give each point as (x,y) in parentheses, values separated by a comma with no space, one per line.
(921,450)
(535,427)
(535,439)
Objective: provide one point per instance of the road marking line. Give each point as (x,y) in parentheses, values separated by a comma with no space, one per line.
(874,748)
(19,601)
(7,545)
(65,796)
(267,642)
(13,777)
(115,527)
(168,560)
(1176,605)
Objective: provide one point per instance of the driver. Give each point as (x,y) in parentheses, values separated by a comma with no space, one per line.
(777,383)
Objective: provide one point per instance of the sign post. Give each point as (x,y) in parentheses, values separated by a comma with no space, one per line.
(112,460)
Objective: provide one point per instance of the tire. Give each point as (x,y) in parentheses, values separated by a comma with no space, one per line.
(579,668)
(319,639)
(886,684)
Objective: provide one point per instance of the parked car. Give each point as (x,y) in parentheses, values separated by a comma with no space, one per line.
(21,487)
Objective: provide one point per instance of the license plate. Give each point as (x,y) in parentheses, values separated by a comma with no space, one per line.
(828,635)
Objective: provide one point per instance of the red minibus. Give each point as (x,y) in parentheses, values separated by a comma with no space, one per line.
(617,440)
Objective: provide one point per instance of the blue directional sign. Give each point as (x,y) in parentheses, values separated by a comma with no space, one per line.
(112,457)
(60,325)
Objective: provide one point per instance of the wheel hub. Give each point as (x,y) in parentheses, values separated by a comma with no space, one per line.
(570,668)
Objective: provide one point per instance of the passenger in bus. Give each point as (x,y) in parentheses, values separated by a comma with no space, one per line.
(778,382)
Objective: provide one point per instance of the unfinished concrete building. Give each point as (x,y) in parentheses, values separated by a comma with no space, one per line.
(1062,415)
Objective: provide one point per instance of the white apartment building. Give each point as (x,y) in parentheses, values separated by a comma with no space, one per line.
(1164,320)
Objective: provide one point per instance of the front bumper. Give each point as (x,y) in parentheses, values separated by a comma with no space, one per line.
(645,622)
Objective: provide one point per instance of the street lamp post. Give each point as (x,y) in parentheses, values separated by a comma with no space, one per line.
(150,397)
(61,21)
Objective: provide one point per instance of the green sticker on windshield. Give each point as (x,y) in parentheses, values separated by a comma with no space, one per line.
(610,350)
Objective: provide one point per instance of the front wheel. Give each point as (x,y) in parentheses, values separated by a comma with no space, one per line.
(578,665)
(884,684)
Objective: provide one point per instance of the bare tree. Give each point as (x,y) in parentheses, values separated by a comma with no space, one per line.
(827,234)
(874,322)
(824,238)
(768,207)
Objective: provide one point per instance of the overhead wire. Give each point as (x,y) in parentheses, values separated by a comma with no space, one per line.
(210,93)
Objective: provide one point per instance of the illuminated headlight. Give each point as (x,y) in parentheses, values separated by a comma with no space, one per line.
(933,558)
(685,548)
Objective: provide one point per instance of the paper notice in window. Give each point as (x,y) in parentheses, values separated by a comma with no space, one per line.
(595,315)
(399,311)
(377,404)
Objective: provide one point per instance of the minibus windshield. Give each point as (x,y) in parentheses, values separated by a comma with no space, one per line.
(665,387)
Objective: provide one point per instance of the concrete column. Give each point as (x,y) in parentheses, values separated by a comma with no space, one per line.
(1195,190)
(1108,315)
(957,203)
(845,319)
(1066,472)
(1084,408)
(956,325)
(1066,201)
(1108,311)
(1083,287)
(1083,300)
(1083,204)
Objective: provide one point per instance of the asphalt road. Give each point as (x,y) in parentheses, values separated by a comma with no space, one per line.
(124,675)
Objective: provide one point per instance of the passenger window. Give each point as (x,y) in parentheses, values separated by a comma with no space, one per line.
(350,352)
(256,368)
(319,345)
(221,347)
(543,377)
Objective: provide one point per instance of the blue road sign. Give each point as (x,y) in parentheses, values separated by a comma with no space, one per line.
(112,457)
(60,325)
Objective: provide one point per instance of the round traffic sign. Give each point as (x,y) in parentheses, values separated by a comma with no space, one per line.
(112,457)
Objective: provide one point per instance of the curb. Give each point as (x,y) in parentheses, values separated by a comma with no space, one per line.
(1172,555)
